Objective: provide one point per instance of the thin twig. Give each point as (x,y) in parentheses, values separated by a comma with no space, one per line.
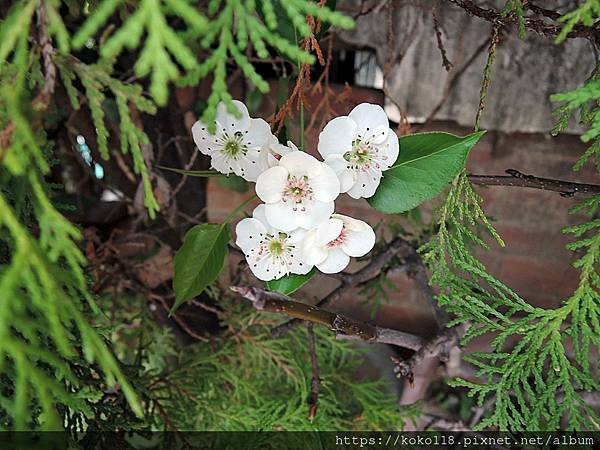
(440,43)
(344,327)
(315,382)
(371,270)
(440,346)
(539,26)
(516,178)
(42,100)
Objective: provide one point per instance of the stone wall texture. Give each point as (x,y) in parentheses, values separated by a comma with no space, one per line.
(526,71)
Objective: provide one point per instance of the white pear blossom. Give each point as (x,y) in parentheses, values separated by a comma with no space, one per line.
(298,193)
(237,144)
(271,254)
(330,245)
(359,147)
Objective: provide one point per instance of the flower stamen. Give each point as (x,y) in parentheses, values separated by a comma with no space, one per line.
(338,240)
(297,190)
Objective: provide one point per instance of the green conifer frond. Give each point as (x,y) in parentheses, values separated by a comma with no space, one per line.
(248,380)
(516,7)
(234,24)
(40,291)
(96,80)
(533,381)
(583,102)
(586,14)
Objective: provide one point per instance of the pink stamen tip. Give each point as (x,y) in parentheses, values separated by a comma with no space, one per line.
(338,240)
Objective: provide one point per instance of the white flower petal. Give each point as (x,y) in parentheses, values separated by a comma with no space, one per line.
(262,266)
(206,142)
(312,252)
(329,231)
(346,176)
(223,164)
(360,237)
(300,266)
(335,262)
(257,134)
(319,213)
(228,121)
(325,183)
(291,148)
(296,237)
(270,184)
(254,164)
(300,163)
(337,136)
(259,214)
(248,233)
(372,123)
(387,152)
(287,216)
(366,184)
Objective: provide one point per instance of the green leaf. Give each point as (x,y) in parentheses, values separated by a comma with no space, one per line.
(193,173)
(199,260)
(426,164)
(290,283)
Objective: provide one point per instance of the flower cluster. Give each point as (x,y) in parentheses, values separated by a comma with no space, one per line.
(295,229)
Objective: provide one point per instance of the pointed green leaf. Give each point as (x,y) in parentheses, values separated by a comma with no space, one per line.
(199,260)
(193,173)
(426,164)
(290,283)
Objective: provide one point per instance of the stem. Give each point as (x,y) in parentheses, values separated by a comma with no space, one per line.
(344,327)
(302,125)
(301,102)
(516,178)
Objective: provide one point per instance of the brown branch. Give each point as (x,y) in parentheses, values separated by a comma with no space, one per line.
(42,100)
(315,382)
(371,270)
(440,43)
(440,346)
(537,25)
(516,178)
(344,327)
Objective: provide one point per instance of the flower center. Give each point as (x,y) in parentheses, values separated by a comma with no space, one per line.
(276,246)
(361,155)
(232,145)
(297,190)
(338,240)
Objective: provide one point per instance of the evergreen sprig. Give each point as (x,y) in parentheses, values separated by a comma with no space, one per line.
(248,380)
(233,25)
(96,79)
(584,103)
(516,7)
(534,382)
(586,14)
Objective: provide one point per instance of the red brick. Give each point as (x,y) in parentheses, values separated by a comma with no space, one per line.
(540,282)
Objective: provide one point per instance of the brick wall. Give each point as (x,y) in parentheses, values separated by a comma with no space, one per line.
(534,262)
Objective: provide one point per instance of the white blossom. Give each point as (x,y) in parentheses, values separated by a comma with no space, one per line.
(298,193)
(271,254)
(330,245)
(238,143)
(359,147)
